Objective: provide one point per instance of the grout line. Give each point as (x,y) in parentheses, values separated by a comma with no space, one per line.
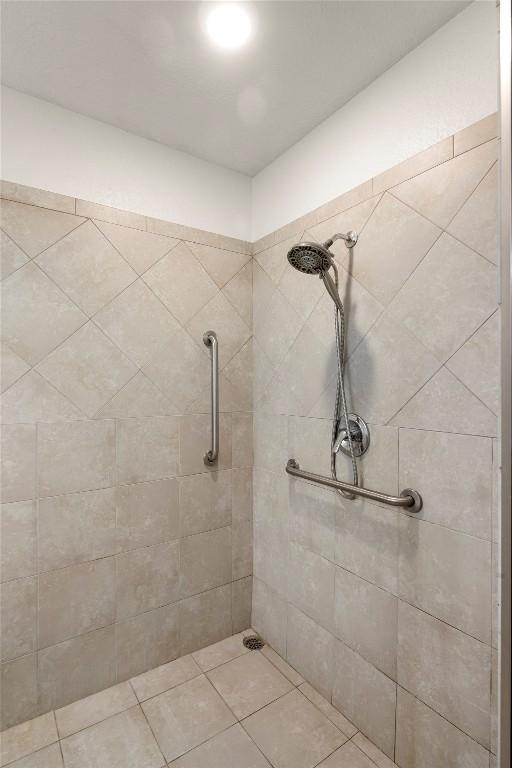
(59,240)
(495,162)
(394,415)
(47,248)
(4,196)
(295,685)
(365,754)
(471,391)
(2,228)
(123,620)
(439,714)
(241,721)
(299,222)
(152,732)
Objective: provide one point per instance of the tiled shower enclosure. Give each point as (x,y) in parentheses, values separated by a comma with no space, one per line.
(122,551)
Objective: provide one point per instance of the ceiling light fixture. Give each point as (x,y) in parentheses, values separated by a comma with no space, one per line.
(229,26)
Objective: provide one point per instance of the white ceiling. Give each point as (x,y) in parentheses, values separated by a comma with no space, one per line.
(148,68)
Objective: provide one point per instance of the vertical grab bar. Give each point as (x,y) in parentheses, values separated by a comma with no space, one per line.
(210,340)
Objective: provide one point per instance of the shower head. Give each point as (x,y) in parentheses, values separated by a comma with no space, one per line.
(310,258)
(315,258)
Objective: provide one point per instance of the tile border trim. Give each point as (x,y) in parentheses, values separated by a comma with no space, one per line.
(462,141)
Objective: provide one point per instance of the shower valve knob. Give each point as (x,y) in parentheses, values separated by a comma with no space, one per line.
(359,434)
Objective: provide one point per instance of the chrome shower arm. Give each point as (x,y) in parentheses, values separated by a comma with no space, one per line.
(350,239)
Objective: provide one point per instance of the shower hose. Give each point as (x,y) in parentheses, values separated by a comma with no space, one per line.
(340,406)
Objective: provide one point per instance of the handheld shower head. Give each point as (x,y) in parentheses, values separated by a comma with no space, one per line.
(310,258)
(315,258)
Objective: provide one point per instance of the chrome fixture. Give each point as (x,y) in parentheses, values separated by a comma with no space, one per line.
(210,340)
(359,433)
(253,642)
(316,259)
(353,436)
(409,499)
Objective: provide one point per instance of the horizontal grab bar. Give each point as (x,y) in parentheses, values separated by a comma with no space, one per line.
(409,499)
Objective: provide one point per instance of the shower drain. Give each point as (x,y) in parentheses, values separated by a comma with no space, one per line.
(253,642)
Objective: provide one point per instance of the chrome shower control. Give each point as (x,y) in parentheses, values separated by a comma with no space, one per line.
(359,433)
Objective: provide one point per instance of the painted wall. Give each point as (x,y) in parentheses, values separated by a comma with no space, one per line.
(120,549)
(444,85)
(51,148)
(390,616)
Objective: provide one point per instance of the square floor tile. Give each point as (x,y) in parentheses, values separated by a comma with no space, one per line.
(292,733)
(219,653)
(86,712)
(163,678)
(186,716)
(331,713)
(348,756)
(289,672)
(121,741)
(21,740)
(229,749)
(48,757)
(248,683)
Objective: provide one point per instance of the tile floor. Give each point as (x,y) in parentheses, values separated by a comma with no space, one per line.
(220,707)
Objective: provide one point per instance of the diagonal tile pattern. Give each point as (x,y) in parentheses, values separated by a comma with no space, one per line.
(11,257)
(390,248)
(440,192)
(87,268)
(162,370)
(138,323)
(181,283)
(88,369)
(354,218)
(36,315)
(401,329)
(476,363)
(440,317)
(445,404)
(476,224)
(33,399)
(221,265)
(34,229)
(105,404)
(12,367)
(271,260)
(420,295)
(140,397)
(393,366)
(140,249)
(239,292)
(220,315)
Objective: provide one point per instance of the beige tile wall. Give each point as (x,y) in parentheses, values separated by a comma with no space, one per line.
(388,615)
(120,549)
